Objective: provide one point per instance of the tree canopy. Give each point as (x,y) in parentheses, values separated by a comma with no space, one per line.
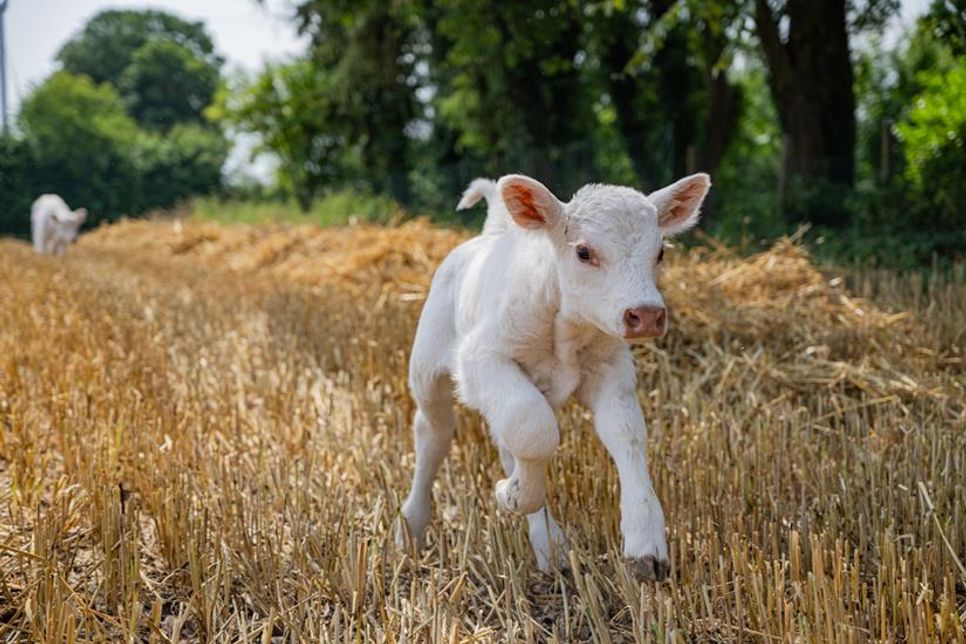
(83,144)
(108,42)
(166,84)
(121,128)
(164,66)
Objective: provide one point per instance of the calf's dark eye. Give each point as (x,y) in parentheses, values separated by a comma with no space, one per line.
(660,255)
(583,253)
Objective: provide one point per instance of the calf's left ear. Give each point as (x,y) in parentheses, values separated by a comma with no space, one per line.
(679,204)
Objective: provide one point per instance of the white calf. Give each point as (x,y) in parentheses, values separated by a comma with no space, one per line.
(541,306)
(53,225)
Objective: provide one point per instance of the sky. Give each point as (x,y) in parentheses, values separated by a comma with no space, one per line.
(245,33)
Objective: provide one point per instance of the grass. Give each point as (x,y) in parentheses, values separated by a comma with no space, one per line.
(204,436)
(334,209)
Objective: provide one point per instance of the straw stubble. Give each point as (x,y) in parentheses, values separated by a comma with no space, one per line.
(205,436)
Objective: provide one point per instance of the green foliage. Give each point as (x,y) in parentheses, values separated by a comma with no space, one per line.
(908,203)
(110,40)
(166,84)
(164,67)
(368,49)
(78,141)
(186,161)
(121,130)
(744,205)
(295,112)
(510,82)
(946,23)
(17,177)
(74,110)
(333,209)
(934,135)
(83,144)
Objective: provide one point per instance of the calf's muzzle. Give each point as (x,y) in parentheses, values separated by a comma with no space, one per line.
(645,322)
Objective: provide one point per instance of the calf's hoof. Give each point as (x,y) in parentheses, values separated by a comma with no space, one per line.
(408,534)
(551,550)
(648,568)
(511,497)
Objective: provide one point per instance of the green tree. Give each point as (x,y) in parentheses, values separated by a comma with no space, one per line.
(166,83)
(184,162)
(17,185)
(369,51)
(806,47)
(164,67)
(108,42)
(510,81)
(934,137)
(664,66)
(295,113)
(83,144)
(79,142)
(911,141)
(946,20)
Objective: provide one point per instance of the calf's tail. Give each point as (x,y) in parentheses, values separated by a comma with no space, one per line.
(478,189)
(497,218)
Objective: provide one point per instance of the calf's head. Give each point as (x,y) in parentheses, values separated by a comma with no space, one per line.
(608,243)
(67,224)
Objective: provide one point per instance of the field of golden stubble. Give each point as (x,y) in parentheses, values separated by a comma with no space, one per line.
(204,436)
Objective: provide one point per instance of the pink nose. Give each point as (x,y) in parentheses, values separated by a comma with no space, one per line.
(645,322)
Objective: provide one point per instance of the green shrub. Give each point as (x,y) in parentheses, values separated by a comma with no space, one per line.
(334,209)
(185,162)
(934,135)
(83,145)
(16,186)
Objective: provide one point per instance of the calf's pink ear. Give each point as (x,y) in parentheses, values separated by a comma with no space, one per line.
(679,204)
(80,215)
(529,202)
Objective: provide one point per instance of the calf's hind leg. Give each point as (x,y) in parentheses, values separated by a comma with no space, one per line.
(433,427)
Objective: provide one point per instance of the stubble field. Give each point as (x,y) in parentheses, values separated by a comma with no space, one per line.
(204,436)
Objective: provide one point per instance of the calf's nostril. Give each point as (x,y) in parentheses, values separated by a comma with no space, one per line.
(632,319)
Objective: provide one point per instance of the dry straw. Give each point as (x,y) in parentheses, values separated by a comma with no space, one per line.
(204,436)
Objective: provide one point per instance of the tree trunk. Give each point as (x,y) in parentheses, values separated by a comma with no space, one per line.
(810,76)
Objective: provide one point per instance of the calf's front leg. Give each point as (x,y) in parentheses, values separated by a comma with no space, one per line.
(520,419)
(610,393)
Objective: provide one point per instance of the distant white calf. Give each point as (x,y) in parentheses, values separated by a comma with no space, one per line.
(540,306)
(53,225)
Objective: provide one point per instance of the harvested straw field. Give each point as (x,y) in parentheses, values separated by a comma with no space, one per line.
(205,437)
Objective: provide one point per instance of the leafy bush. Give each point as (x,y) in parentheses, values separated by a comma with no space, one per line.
(166,84)
(934,134)
(16,186)
(292,110)
(185,162)
(333,209)
(83,144)
(744,205)
(79,142)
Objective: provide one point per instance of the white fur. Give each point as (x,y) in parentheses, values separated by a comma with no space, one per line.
(53,225)
(519,324)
